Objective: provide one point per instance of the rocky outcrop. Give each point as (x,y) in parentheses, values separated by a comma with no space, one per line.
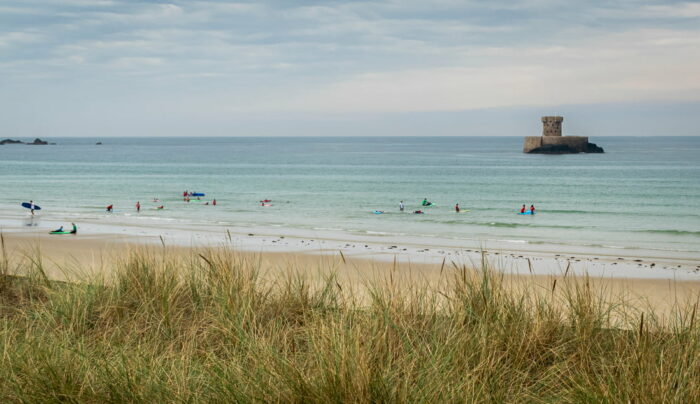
(36,141)
(594,148)
(565,149)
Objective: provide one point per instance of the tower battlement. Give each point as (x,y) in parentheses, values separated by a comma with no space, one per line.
(551,125)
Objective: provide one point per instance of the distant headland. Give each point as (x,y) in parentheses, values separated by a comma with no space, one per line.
(552,142)
(36,141)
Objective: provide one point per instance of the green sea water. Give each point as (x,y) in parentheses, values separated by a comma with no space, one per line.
(642,194)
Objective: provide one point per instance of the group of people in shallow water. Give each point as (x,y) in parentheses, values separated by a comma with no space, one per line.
(110,208)
(266,202)
(425,202)
(532,210)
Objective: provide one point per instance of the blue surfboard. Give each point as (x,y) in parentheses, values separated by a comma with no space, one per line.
(525,213)
(196,194)
(29,206)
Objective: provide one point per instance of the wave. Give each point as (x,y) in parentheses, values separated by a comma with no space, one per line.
(530,225)
(672,232)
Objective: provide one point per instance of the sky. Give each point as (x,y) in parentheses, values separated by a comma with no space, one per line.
(348,68)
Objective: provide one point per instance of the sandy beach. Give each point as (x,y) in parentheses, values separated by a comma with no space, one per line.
(84,256)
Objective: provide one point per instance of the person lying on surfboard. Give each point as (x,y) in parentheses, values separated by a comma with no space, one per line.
(60,229)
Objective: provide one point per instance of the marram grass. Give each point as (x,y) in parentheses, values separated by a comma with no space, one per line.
(213,328)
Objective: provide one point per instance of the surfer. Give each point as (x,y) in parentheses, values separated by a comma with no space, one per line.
(213,202)
(532,209)
(457,208)
(425,202)
(138,206)
(60,229)
(31,207)
(74,230)
(401,207)
(522,210)
(110,208)
(418,212)
(161,207)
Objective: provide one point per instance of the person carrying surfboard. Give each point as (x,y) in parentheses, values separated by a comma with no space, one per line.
(31,207)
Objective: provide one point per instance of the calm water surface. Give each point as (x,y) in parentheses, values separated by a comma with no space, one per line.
(643,193)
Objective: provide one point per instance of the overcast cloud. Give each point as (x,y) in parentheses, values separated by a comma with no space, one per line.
(133,68)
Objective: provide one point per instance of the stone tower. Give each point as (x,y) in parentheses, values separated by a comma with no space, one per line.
(552,142)
(551,125)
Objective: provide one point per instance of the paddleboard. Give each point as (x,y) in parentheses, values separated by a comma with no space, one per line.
(29,206)
(378,212)
(525,213)
(60,232)
(266,205)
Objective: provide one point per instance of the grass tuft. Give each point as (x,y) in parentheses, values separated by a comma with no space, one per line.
(213,326)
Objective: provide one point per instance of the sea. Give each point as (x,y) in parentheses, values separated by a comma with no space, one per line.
(641,195)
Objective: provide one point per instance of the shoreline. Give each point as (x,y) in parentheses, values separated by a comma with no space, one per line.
(545,259)
(92,257)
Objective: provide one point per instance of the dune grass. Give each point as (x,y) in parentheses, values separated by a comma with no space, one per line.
(213,328)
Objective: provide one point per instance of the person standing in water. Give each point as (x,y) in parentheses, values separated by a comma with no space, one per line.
(213,202)
(532,209)
(457,208)
(138,206)
(401,207)
(109,208)
(522,210)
